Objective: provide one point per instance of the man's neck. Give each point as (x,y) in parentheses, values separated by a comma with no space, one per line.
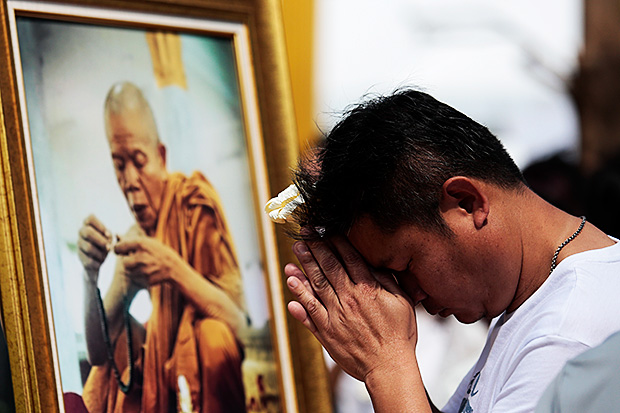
(544,229)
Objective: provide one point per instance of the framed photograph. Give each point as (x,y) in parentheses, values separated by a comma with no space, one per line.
(139,142)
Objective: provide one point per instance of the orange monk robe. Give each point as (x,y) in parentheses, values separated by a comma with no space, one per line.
(179,341)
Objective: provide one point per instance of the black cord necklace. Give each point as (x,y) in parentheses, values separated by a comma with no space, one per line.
(566,241)
(125,388)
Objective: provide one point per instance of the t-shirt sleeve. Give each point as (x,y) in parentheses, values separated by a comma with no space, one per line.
(532,371)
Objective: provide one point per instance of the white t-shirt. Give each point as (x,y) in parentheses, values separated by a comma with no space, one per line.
(576,308)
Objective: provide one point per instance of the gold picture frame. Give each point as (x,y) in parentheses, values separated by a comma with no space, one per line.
(253,31)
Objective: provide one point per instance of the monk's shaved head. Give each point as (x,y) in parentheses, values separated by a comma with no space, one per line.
(124,98)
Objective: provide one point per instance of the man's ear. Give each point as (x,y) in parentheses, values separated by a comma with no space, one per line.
(465,198)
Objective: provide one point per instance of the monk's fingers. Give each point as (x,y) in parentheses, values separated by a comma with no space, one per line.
(316,273)
(132,263)
(356,267)
(129,245)
(90,257)
(314,314)
(91,236)
(93,221)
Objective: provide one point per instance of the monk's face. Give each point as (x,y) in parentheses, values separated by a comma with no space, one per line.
(140,164)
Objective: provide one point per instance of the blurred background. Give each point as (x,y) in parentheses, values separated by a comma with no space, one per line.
(542,76)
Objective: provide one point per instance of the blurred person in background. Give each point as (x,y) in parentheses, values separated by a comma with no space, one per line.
(603,197)
(588,383)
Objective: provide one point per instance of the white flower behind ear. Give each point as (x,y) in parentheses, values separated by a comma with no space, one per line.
(281,207)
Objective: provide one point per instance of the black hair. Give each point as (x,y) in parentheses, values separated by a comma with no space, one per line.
(388,158)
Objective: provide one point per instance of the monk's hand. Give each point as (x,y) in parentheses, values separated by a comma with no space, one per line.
(94,242)
(147,261)
(361,316)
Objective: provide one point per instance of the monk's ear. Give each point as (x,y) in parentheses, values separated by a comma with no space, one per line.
(464,198)
(162,152)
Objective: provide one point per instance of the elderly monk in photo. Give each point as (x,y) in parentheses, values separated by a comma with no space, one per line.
(180,250)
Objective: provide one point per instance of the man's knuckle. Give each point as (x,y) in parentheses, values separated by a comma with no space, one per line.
(350,257)
(331,264)
(367,289)
(306,258)
(320,282)
(313,308)
(350,302)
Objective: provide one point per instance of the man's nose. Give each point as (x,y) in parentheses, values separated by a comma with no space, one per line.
(418,296)
(411,286)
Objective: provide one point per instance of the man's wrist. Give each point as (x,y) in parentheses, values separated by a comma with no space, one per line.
(397,385)
(399,363)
